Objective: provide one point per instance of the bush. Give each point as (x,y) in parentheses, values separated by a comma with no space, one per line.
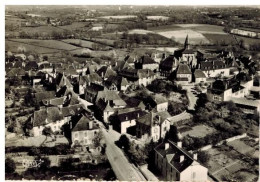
(9,166)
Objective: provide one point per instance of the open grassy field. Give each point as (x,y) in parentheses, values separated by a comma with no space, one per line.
(75,25)
(199,131)
(82,43)
(240,146)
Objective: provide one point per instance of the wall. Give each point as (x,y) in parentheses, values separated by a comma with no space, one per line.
(127,124)
(162,107)
(195,172)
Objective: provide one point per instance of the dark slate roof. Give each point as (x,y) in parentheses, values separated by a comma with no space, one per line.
(183,69)
(149,119)
(90,78)
(94,88)
(61,80)
(31,65)
(117,80)
(106,71)
(84,124)
(199,74)
(130,114)
(52,114)
(212,65)
(219,86)
(146,60)
(168,63)
(130,101)
(173,154)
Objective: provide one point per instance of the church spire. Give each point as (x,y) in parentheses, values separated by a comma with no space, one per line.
(186,43)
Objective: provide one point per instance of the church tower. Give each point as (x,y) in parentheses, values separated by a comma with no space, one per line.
(186,43)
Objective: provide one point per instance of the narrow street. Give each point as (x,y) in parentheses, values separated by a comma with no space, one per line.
(123,169)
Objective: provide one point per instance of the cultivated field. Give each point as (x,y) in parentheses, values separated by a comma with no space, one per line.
(180,35)
(139,31)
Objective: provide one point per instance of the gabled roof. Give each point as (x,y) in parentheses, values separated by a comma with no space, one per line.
(117,80)
(199,74)
(106,72)
(84,124)
(46,115)
(94,88)
(62,80)
(183,69)
(90,78)
(119,65)
(131,102)
(168,63)
(212,65)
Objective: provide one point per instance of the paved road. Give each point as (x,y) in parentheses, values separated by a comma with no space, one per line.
(192,98)
(124,170)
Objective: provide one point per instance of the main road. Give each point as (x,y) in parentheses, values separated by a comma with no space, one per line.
(123,169)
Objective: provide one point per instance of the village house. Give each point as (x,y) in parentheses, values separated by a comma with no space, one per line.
(116,83)
(84,132)
(168,65)
(146,62)
(248,32)
(91,91)
(106,71)
(153,126)
(176,164)
(86,80)
(183,74)
(223,90)
(214,68)
(126,118)
(199,76)
(107,102)
(158,103)
(132,102)
(47,117)
(138,76)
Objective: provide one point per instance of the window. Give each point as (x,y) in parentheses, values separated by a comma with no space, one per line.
(86,134)
(193,175)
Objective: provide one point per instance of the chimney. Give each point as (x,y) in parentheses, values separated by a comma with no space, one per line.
(126,118)
(159,118)
(179,144)
(181,158)
(195,156)
(166,146)
(70,125)
(116,63)
(102,74)
(199,65)
(90,124)
(138,115)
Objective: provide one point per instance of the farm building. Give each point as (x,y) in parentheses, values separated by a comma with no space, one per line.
(248,32)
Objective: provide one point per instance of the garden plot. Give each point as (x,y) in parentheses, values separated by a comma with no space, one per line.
(199,131)
(240,147)
(180,35)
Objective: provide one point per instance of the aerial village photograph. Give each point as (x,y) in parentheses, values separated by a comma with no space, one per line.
(132,92)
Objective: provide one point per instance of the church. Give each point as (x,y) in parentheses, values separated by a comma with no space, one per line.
(185,55)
